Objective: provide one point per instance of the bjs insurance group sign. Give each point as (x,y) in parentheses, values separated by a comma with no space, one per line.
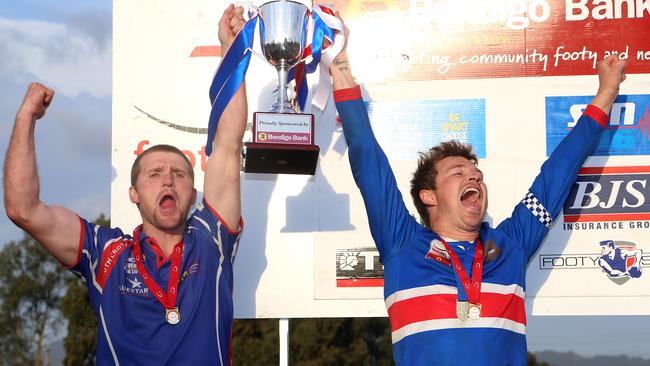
(510,77)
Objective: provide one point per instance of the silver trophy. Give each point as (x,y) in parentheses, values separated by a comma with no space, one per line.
(282,38)
(283,140)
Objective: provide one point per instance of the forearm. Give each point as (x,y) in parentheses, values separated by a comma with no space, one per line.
(341,73)
(21,183)
(221,187)
(604,99)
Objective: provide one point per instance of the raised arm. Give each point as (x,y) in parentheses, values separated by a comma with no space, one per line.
(611,73)
(534,215)
(221,186)
(55,227)
(390,222)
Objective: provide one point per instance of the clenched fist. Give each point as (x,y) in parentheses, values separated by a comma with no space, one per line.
(36,101)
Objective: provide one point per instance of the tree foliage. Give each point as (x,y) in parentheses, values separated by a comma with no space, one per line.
(32,286)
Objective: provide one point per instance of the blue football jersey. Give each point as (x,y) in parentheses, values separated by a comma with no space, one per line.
(420,287)
(131,321)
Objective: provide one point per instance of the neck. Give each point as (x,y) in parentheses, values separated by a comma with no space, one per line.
(456,233)
(166,239)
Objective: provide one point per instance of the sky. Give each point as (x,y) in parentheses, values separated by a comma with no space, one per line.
(67,45)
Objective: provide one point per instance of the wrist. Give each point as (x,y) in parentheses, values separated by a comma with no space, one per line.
(25,115)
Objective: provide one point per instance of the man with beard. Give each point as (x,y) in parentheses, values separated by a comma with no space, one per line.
(454,286)
(164,294)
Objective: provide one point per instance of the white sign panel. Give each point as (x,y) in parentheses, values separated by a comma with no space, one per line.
(306,250)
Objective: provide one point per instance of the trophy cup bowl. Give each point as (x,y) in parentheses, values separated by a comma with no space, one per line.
(283,140)
(282,39)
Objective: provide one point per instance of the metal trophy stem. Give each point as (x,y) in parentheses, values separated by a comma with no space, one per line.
(281,104)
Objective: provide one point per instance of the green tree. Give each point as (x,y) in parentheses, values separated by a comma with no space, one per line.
(81,341)
(314,342)
(255,342)
(532,361)
(32,286)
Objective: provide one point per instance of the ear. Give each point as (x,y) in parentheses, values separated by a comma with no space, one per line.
(193,196)
(133,195)
(428,197)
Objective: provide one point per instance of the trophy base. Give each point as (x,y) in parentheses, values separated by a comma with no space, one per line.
(280,158)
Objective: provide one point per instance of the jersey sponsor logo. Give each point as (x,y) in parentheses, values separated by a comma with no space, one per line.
(130,267)
(618,260)
(492,251)
(191,269)
(628,131)
(609,194)
(405,128)
(438,252)
(359,267)
(134,286)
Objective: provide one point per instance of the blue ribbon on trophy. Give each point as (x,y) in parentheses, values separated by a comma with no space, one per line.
(232,69)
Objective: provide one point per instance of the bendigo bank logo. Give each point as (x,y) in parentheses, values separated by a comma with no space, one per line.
(628,131)
(618,260)
(610,194)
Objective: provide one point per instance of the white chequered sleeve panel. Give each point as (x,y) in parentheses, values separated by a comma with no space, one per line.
(537,209)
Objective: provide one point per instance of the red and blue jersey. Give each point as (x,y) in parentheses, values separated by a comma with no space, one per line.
(131,321)
(420,287)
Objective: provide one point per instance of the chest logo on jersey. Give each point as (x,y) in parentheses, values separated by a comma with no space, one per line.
(133,285)
(492,251)
(438,252)
(191,269)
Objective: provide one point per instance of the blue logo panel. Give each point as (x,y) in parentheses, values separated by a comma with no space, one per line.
(628,132)
(405,128)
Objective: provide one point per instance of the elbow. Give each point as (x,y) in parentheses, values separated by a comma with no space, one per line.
(17,213)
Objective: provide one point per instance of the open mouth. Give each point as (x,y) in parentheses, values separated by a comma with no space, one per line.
(167,203)
(470,196)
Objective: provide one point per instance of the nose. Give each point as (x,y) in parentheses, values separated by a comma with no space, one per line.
(475,176)
(168,179)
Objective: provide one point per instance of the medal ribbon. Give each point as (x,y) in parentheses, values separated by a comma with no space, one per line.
(168,299)
(473,287)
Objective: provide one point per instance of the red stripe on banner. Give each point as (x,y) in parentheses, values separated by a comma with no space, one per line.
(614,170)
(361,282)
(607,217)
(443,306)
(206,51)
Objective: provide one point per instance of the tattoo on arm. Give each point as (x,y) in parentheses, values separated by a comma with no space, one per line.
(342,65)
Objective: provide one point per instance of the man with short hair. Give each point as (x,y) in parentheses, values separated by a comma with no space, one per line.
(454,287)
(162,296)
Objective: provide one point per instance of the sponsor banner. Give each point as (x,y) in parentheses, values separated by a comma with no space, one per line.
(359,267)
(449,39)
(628,132)
(618,260)
(347,267)
(407,127)
(609,194)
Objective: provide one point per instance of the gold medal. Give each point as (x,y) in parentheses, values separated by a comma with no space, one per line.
(173,316)
(474,311)
(462,308)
